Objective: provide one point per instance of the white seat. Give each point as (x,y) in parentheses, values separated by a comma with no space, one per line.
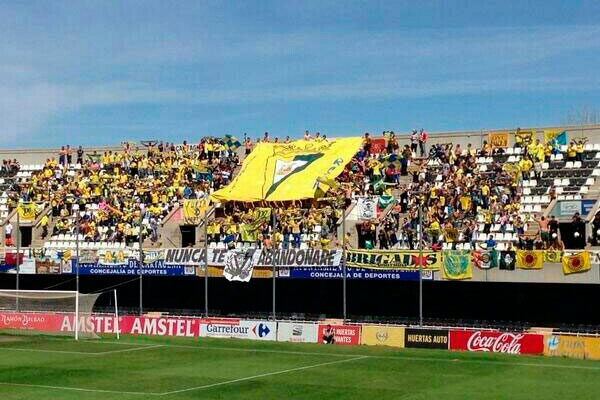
(537,208)
(545,199)
(566,182)
(526,191)
(597,146)
(510,150)
(537,199)
(588,147)
(557,182)
(559,157)
(528,209)
(569,197)
(590,181)
(569,164)
(577,197)
(596,172)
(584,190)
(545,165)
(577,164)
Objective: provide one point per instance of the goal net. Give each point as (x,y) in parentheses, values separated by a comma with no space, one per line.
(38,312)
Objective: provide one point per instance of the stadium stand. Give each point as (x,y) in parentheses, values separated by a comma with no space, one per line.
(471,197)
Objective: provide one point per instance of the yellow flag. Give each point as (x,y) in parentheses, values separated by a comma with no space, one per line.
(26,211)
(293,171)
(194,210)
(67,255)
(530,259)
(579,262)
(552,256)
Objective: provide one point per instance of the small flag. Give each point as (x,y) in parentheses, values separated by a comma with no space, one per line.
(457,265)
(507,260)
(552,256)
(579,262)
(530,259)
(231,142)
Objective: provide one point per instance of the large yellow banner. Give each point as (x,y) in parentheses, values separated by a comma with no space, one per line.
(382,335)
(293,171)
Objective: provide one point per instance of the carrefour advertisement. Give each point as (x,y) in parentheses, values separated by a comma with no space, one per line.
(351,273)
(240,329)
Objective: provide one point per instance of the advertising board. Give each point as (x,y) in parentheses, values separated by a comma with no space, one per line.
(497,342)
(382,335)
(426,338)
(297,332)
(343,334)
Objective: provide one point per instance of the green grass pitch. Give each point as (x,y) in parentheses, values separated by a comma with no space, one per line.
(147,368)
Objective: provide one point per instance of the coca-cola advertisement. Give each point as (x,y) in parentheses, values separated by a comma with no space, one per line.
(497,342)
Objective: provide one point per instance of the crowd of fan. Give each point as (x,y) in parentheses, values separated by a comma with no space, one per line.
(117,193)
(458,199)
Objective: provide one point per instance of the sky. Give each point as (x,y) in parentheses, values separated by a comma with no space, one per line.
(102,72)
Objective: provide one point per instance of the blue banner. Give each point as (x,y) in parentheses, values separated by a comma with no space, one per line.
(351,273)
(157,268)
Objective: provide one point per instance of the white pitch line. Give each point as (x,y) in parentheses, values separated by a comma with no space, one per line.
(263,375)
(131,349)
(76,389)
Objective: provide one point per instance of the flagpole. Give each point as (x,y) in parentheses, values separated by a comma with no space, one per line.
(273,259)
(206,261)
(141,243)
(344,268)
(420,237)
(18,260)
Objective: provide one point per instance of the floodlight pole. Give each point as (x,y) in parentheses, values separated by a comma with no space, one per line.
(420,237)
(77,223)
(18,258)
(344,268)
(141,243)
(206,215)
(273,260)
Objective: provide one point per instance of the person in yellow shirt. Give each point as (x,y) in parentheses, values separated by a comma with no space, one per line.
(579,149)
(525,166)
(572,152)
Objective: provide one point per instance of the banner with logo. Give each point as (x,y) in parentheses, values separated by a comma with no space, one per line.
(343,334)
(564,346)
(498,139)
(426,338)
(217,272)
(297,332)
(194,210)
(382,335)
(112,257)
(157,268)
(26,263)
(239,264)
(47,266)
(394,259)
(367,207)
(508,260)
(497,342)
(292,171)
(240,329)
(575,263)
(530,259)
(457,265)
(485,259)
(552,256)
(351,273)
(283,257)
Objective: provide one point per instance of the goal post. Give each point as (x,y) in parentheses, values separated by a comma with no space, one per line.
(54,312)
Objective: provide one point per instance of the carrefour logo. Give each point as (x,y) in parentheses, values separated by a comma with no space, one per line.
(261,330)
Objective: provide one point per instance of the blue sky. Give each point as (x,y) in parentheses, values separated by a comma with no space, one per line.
(99,72)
